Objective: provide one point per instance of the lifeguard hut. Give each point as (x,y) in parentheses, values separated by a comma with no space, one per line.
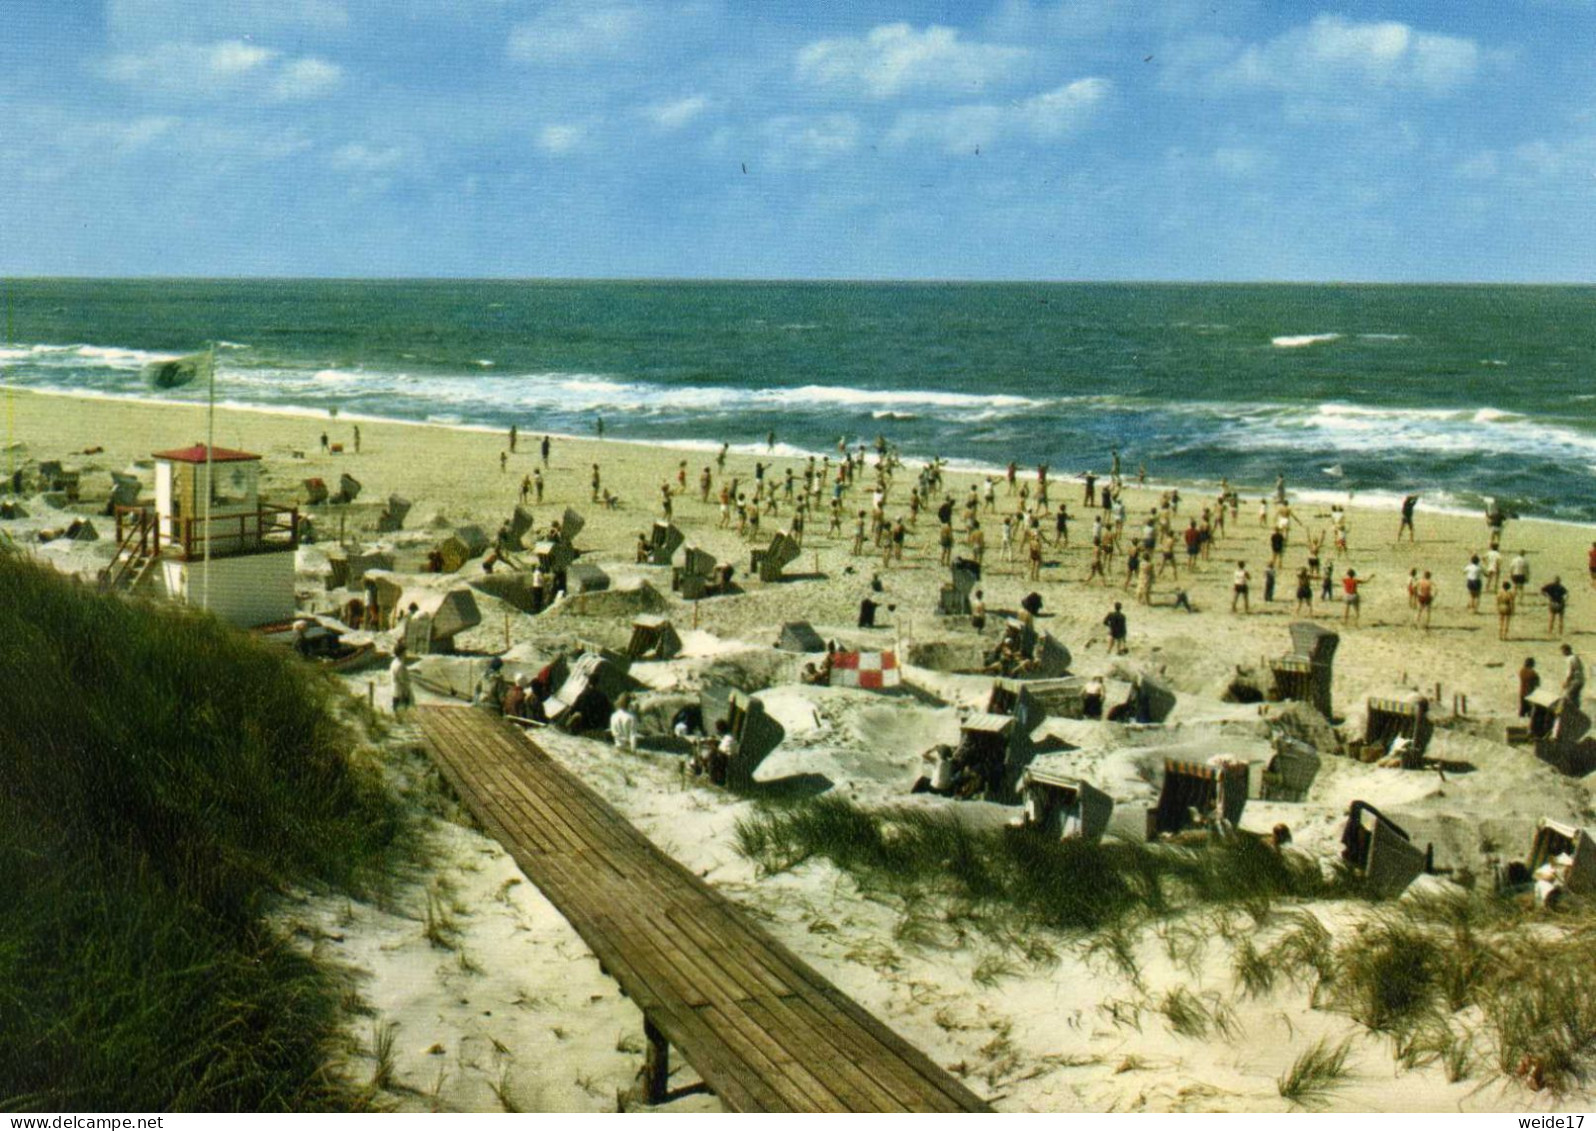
(249,543)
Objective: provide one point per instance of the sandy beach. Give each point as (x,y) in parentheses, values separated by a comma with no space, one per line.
(514,1012)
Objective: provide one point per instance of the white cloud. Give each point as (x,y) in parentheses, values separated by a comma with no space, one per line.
(809,142)
(222,68)
(357,157)
(561,137)
(304,79)
(1334,55)
(894,58)
(676,114)
(571,31)
(1043,117)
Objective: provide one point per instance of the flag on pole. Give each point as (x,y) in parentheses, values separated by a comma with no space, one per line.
(175,372)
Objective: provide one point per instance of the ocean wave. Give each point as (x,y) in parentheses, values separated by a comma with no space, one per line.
(811,394)
(115,357)
(1384,337)
(1297,341)
(893,414)
(1334,428)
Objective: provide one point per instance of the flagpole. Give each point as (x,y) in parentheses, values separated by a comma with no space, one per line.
(210,482)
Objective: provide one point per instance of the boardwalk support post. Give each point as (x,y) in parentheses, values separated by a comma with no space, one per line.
(656,1064)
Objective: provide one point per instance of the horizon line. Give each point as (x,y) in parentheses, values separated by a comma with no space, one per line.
(791,280)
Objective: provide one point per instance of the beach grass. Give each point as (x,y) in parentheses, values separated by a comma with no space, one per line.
(165,777)
(1315,1074)
(1008,876)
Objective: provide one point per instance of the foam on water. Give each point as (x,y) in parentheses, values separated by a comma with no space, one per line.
(1297,341)
(1348,437)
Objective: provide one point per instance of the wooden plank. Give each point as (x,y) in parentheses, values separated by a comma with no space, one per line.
(808,1091)
(850,1082)
(764,1030)
(731,949)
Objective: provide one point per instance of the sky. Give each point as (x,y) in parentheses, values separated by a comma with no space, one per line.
(1453,140)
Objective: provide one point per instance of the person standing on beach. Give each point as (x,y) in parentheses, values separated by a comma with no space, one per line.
(1352,599)
(1408,503)
(1118,630)
(600,426)
(537,486)
(399,676)
(545,450)
(1424,599)
(324,444)
(1506,598)
(1573,678)
(1528,680)
(597,482)
(515,438)
(1239,586)
(357,439)
(504,462)
(1518,571)
(770,441)
(1474,581)
(526,487)
(1556,594)
(1304,593)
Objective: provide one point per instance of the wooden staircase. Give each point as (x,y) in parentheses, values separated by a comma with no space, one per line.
(137,550)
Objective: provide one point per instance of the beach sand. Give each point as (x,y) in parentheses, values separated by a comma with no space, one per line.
(517,1006)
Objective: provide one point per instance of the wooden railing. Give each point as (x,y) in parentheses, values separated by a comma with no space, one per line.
(268,527)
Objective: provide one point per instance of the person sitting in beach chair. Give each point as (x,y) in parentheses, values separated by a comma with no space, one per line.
(936,772)
(491,688)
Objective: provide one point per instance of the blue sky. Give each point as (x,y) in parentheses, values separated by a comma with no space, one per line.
(1039,139)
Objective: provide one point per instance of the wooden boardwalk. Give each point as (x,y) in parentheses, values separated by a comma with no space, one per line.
(764,1030)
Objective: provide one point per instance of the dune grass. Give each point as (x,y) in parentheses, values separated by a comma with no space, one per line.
(1460,981)
(163,776)
(1011,875)
(1315,1074)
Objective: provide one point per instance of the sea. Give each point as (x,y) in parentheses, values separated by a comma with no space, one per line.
(1460,394)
